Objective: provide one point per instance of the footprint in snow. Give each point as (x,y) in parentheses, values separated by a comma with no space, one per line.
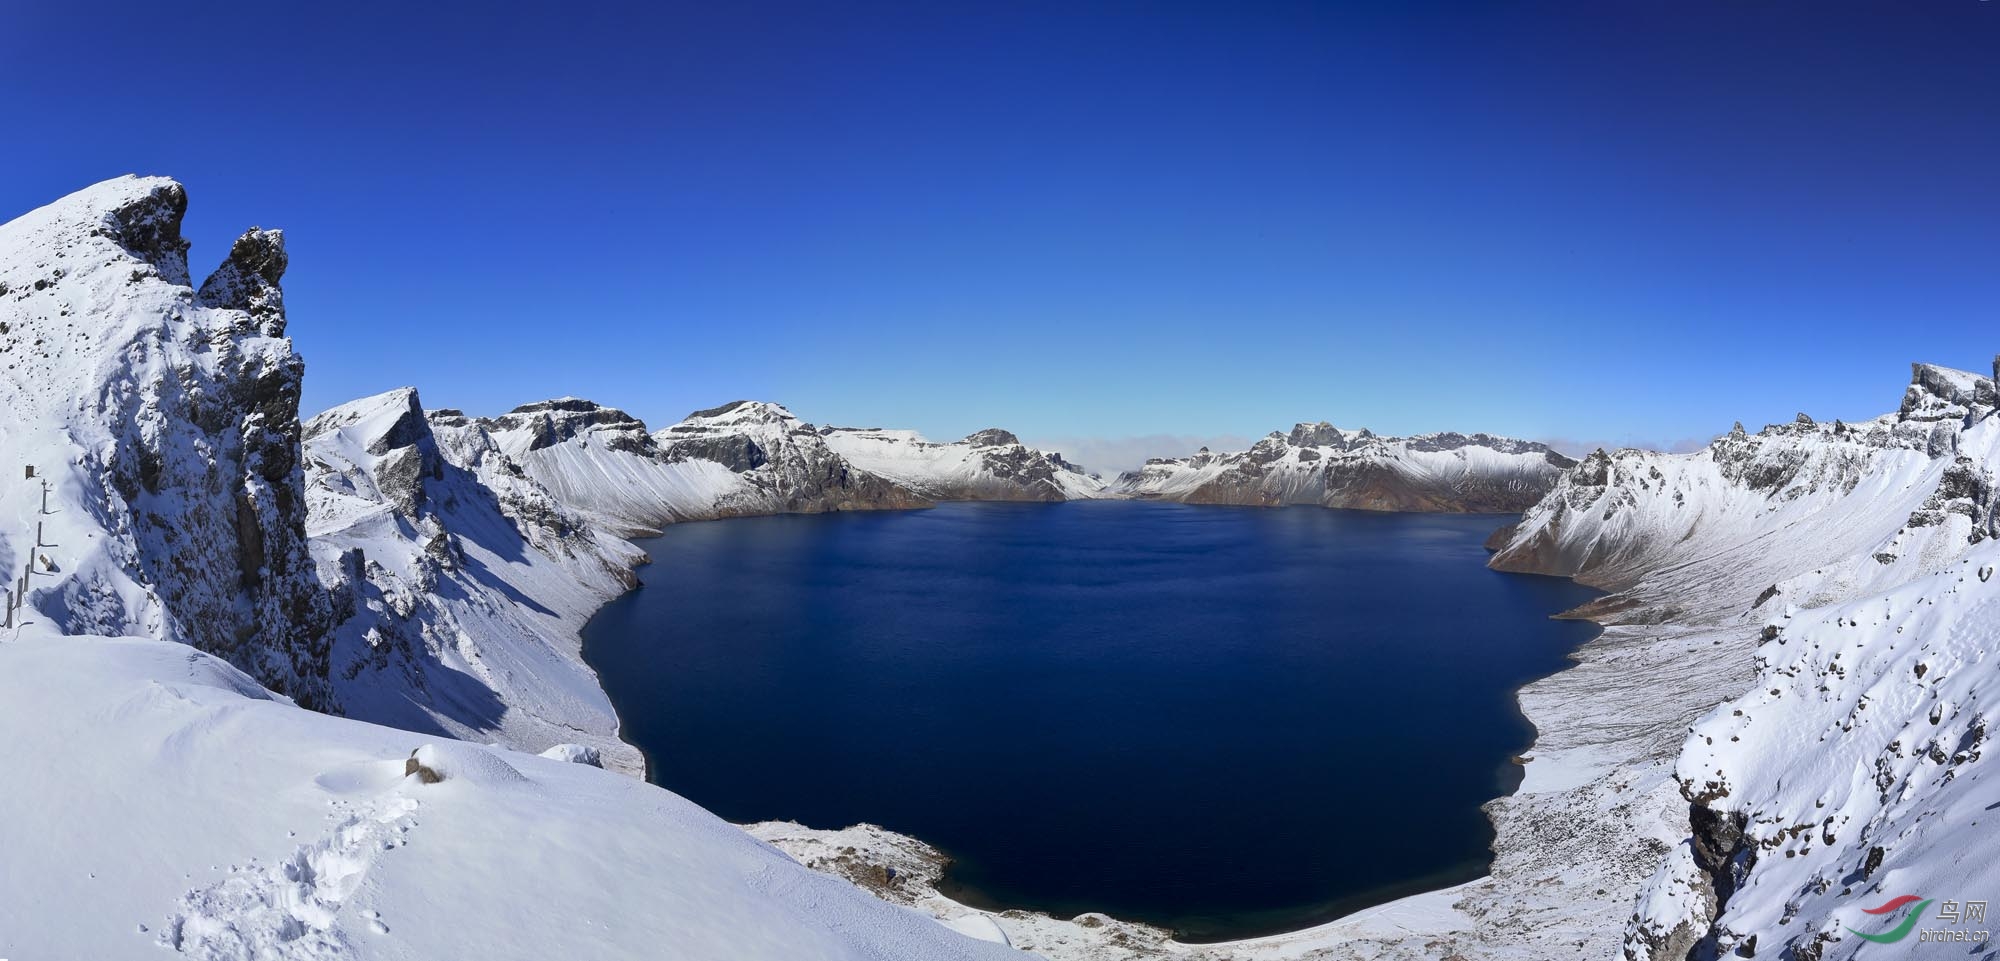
(288,911)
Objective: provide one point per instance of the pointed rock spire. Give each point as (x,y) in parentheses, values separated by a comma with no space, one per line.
(248,280)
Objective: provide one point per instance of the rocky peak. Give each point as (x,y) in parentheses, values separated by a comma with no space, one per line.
(1321,434)
(392,430)
(144,217)
(248,280)
(992,437)
(175,418)
(742,413)
(1942,393)
(551,422)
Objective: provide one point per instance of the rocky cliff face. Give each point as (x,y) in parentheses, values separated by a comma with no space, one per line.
(1325,465)
(991,464)
(1852,558)
(166,417)
(459,584)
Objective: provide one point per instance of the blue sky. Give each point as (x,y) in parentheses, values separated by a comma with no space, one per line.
(1596,221)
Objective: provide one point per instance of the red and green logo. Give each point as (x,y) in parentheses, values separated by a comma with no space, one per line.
(1900,931)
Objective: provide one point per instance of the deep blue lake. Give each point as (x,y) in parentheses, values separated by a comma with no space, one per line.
(1227,721)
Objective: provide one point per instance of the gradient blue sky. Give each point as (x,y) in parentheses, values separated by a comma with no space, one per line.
(1601,221)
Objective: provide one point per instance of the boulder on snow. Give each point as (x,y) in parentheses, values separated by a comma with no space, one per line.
(456,760)
(574,754)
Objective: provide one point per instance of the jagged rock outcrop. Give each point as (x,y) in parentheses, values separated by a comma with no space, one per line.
(169,419)
(991,464)
(459,583)
(1325,465)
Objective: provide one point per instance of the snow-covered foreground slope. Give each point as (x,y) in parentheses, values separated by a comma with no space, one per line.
(1325,465)
(992,464)
(161,803)
(166,419)
(1852,553)
(459,585)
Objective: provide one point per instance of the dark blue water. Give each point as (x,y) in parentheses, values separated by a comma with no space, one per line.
(1228,721)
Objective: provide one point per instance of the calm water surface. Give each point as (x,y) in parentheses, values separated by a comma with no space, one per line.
(1229,721)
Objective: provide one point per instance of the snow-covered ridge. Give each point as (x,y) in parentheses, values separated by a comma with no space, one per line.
(753,457)
(1859,556)
(991,464)
(739,459)
(459,584)
(1332,467)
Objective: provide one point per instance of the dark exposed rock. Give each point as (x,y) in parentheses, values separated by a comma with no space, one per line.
(248,280)
(738,452)
(150,230)
(992,437)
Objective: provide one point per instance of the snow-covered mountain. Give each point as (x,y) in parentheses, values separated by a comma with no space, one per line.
(167,420)
(991,464)
(459,584)
(739,459)
(1326,465)
(161,800)
(1856,559)
(752,457)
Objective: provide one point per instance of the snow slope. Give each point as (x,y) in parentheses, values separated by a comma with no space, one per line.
(1326,465)
(460,585)
(603,462)
(1851,552)
(163,804)
(991,464)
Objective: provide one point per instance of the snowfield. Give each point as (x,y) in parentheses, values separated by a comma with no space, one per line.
(179,808)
